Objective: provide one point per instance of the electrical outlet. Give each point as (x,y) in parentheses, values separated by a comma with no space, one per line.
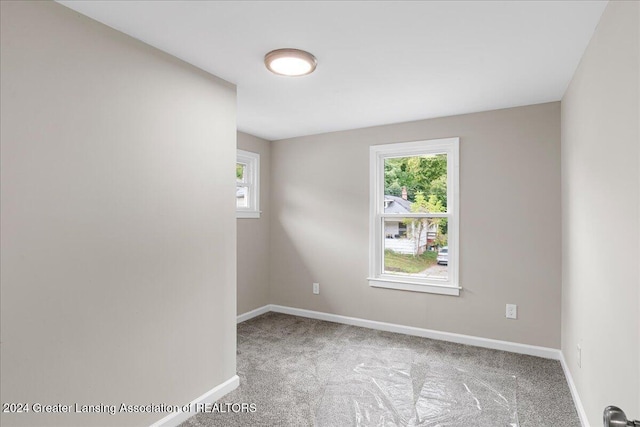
(512,311)
(579,358)
(316,288)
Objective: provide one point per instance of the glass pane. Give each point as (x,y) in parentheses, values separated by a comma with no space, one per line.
(242,197)
(415,184)
(241,172)
(416,247)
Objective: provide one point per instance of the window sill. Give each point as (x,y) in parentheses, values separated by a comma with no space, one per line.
(405,286)
(248,214)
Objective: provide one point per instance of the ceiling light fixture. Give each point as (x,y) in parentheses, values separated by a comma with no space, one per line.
(290,62)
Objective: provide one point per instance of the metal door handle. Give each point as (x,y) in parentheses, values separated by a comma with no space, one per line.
(615,417)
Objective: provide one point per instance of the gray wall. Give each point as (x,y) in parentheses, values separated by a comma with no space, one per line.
(509,225)
(118,247)
(253,236)
(601,216)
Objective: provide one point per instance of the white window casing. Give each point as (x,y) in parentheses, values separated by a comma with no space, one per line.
(377,276)
(251,161)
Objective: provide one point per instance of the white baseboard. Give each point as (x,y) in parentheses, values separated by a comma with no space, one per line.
(582,414)
(253,313)
(176,418)
(532,350)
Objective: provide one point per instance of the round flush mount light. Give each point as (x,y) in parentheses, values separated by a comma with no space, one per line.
(290,62)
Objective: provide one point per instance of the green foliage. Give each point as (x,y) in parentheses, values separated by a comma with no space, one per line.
(443,231)
(419,174)
(408,264)
(425,178)
(422,225)
(394,189)
(239,171)
(430,205)
(441,238)
(438,188)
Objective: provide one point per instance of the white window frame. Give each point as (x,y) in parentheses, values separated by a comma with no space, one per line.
(252,174)
(378,154)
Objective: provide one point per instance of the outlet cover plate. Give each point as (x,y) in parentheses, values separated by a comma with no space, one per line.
(512,311)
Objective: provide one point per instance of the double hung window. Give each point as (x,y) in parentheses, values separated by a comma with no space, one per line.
(247,184)
(414,216)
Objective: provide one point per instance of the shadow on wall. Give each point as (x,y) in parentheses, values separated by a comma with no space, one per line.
(316,234)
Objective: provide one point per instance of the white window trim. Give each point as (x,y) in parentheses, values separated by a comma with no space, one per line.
(378,153)
(252,160)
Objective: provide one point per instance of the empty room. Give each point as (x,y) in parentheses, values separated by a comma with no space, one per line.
(436,218)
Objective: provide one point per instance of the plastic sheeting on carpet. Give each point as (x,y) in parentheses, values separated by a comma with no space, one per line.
(374,387)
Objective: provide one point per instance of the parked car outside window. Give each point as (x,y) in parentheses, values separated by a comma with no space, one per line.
(443,256)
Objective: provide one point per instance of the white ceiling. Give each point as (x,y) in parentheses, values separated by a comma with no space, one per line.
(378,62)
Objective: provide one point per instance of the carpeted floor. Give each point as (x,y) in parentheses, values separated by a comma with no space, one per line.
(303,372)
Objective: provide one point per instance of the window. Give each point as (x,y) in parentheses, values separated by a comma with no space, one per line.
(247,185)
(414,216)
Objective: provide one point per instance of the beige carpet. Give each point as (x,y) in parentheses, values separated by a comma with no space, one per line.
(304,372)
